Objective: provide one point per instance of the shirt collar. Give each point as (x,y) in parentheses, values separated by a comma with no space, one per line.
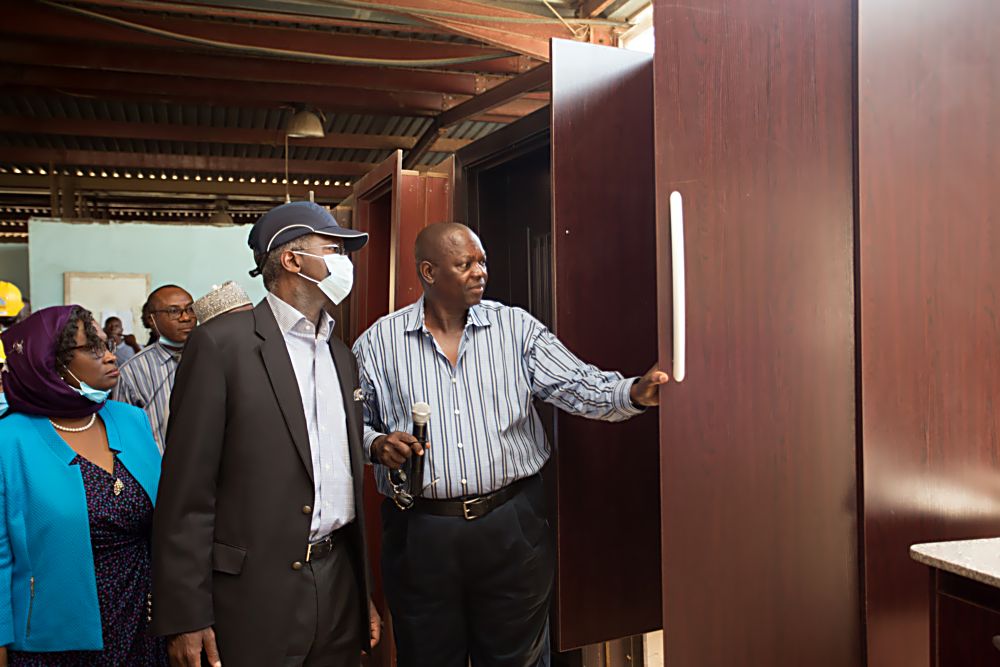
(415,318)
(167,353)
(290,320)
(477,316)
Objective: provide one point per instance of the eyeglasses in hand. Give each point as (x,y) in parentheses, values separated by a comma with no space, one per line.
(400,489)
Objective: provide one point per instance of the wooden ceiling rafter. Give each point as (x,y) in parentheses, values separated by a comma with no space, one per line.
(206,134)
(592,8)
(35,20)
(130,85)
(501,96)
(496,26)
(217,11)
(78,54)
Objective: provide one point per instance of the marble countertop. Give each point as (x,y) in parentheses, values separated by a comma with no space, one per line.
(978,560)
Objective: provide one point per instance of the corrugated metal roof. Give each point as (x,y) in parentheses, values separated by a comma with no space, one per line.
(66,107)
(134,106)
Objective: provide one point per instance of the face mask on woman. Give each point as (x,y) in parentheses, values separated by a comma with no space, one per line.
(88,392)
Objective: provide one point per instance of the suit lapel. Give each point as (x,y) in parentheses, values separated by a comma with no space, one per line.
(345,373)
(286,388)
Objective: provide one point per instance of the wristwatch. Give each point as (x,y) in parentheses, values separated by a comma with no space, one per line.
(634,404)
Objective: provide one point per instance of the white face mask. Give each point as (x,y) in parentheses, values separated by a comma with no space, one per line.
(337,285)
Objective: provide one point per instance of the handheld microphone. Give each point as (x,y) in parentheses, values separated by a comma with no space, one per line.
(421,415)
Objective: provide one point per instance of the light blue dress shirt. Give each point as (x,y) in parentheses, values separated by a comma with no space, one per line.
(323,405)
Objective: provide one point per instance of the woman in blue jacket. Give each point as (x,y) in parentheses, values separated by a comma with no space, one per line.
(78,475)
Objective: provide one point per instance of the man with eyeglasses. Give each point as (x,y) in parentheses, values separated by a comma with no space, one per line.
(147,379)
(259,554)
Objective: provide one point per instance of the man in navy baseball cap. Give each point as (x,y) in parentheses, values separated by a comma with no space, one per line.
(263,477)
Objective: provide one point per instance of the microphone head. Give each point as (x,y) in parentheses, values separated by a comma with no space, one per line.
(421,414)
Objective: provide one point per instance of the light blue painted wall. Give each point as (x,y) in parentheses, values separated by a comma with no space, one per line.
(14,265)
(194,257)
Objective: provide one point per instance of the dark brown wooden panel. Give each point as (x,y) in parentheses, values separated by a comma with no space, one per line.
(392,205)
(376,212)
(929,109)
(965,622)
(603,235)
(758,444)
(424,199)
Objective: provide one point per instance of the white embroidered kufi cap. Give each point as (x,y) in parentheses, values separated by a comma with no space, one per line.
(221,300)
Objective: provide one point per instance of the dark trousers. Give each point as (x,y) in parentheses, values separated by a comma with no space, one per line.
(479,590)
(326,626)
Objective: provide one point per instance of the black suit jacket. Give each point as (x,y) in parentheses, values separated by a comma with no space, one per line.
(230,515)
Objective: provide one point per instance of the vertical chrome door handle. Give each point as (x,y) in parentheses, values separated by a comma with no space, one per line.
(677,268)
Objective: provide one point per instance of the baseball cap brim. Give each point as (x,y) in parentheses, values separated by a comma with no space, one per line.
(353,238)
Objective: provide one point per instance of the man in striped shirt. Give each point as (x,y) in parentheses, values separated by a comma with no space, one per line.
(468,569)
(148,378)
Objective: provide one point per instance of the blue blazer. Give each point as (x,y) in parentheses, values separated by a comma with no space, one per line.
(48,590)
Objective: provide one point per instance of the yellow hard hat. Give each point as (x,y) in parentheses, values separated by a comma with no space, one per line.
(11,302)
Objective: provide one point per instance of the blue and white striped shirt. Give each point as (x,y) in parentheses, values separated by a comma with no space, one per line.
(146,382)
(484,430)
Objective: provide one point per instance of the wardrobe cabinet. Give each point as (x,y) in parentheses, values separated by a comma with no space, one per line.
(833,161)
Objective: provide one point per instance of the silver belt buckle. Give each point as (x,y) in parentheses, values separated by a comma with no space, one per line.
(468,504)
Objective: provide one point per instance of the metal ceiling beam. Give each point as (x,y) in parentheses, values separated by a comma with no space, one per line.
(30,19)
(502,95)
(82,55)
(219,135)
(39,185)
(171,162)
(128,85)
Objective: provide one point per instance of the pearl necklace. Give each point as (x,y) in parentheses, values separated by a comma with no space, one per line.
(81,429)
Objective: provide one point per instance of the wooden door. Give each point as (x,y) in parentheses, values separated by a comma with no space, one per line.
(604,303)
(929,111)
(758,448)
(377,211)
(424,199)
(392,204)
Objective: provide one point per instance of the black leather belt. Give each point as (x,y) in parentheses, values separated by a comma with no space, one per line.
(471,508)
(323,548)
